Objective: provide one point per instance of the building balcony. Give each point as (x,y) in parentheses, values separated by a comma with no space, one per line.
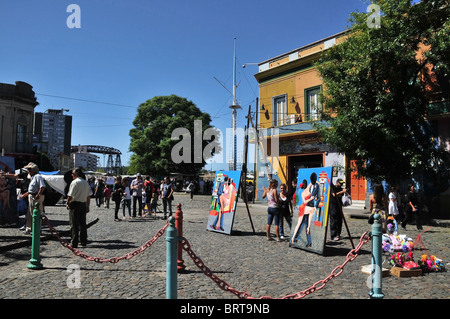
(293,125)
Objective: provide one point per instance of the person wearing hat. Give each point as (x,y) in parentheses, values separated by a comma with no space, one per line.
(34,194)
(336,209)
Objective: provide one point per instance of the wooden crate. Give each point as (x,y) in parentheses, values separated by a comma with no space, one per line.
(401,272)
(367,269)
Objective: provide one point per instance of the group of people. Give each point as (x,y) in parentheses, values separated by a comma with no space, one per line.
(395,210)
(280,208)
(124,192)
(79,198)
(78,202)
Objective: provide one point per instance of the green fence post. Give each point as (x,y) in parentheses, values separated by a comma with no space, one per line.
(35,261)
(171,260)
(377,263)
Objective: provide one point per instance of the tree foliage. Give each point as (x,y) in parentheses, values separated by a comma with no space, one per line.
(376,94)
(151,137)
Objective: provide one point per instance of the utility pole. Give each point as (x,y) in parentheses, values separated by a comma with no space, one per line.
(234,107)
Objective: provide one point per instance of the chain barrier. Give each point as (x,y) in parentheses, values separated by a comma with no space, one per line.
(113,260)
(186,246)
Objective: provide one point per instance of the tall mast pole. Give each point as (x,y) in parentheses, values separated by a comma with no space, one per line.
(234,107)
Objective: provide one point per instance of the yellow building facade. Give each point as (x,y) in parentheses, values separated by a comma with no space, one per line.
(289,104)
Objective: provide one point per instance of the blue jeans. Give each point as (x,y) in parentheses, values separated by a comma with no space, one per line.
(273,214)
(304,224)
(284,214)
(126,202)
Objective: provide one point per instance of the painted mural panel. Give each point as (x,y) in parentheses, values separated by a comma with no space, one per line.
(8,204)
(310,218)
(224,201)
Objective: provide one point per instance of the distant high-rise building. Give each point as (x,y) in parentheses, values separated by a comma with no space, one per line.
(84,159)
(53,135)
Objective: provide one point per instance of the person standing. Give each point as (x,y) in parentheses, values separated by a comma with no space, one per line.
(126,197)
(34,194)
(107,193)
(136,187)
(78,202)
(167,196)
(412,208)
(337,191)
(284,209)
(99,189)
(117,196)
(272,210)
(393,208)
(378,204)
(191,188)
(149,190)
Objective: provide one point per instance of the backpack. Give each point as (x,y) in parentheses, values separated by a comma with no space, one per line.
(346,200)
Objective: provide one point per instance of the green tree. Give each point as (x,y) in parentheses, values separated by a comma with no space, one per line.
(156,145)
(375,93)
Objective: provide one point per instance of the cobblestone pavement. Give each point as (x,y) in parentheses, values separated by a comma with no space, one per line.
(245,260)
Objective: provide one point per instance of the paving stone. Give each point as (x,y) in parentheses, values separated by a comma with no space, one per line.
(244,260)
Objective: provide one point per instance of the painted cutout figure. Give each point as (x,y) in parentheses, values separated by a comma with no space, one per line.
(224,201)
(312,195)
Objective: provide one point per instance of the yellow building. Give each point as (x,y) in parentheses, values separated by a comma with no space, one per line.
(289,103)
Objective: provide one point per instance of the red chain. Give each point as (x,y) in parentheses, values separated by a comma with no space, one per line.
(101,260)
(201,265)
(244,295)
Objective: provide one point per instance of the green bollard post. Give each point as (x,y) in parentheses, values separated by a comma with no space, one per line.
(171,260)
(377,263)
(35,261)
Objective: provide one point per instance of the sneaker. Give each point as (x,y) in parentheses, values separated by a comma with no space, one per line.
(337,238)
(278,239)
(23,228)
(282,237)
(27,232)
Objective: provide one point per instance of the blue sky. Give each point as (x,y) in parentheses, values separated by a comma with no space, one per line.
(128,51)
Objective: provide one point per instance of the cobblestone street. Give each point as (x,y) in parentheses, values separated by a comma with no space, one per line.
(245,260)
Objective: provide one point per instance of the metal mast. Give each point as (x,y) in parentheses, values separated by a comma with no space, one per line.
(234,107)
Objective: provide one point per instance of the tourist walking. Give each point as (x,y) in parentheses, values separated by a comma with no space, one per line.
(412,208)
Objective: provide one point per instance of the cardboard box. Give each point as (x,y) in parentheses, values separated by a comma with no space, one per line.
(401,272)
(367,269)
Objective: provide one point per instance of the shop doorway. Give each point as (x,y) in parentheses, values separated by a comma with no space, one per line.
(297,162)
(358,184)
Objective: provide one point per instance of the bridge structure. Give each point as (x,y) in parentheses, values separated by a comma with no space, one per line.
(114,163)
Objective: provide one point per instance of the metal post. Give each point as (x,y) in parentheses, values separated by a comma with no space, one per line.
(35,261)
(171,260)
(179,226)
(377,263)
